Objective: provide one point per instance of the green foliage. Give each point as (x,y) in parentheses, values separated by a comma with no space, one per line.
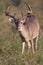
(1,7)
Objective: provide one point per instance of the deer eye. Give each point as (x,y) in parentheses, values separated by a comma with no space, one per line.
(24,23)
(21,22)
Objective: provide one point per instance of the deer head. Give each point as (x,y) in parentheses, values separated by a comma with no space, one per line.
(21,20)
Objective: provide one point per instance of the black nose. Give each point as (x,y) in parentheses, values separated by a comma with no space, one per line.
(19,31)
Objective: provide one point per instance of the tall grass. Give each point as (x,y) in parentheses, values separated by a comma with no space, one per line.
(10,41)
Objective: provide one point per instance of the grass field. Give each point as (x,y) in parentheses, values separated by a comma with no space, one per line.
(10,41)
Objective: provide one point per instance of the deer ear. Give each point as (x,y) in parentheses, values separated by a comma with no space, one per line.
(11,19)
(24,23)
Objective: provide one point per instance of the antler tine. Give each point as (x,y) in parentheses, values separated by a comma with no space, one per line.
(29,7)
(14,14)
(22,14)
(6,9)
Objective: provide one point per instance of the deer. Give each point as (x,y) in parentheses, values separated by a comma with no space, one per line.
(28,28)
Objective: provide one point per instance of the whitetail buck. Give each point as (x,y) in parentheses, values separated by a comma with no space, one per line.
(28,27)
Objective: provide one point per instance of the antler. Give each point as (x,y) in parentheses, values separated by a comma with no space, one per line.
(29,7)
(7,12)
(6,9)
(21,15)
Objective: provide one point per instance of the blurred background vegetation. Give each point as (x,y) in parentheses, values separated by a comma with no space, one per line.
(10,41)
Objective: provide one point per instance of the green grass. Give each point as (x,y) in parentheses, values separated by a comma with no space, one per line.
(10,41)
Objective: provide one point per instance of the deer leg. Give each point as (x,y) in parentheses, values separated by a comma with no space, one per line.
(32,46)
(29,45)
(36,43)
(23,47)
